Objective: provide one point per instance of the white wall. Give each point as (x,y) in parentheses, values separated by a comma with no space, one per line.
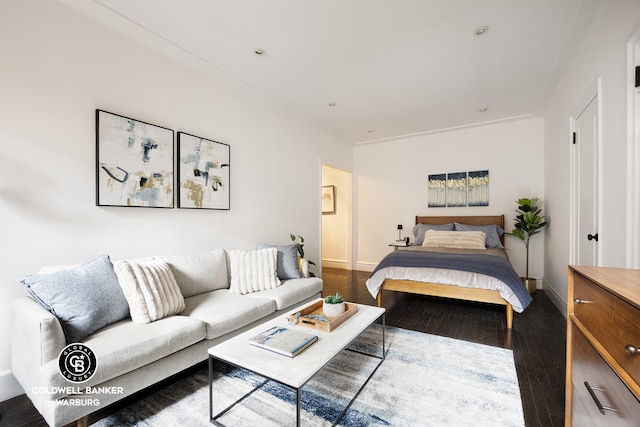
(392,183)
(336,236)
(602,54)
(58,66)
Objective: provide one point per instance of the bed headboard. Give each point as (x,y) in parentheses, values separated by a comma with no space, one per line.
(471,220)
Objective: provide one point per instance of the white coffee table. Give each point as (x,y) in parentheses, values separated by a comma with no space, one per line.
(297,371)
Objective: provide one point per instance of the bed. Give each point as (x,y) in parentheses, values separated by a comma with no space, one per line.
(466,274)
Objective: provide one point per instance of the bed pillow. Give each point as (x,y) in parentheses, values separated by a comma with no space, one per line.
(420,229)
(253,270)
(454,239)
(84,298)
(492,231)
(287,261)
(150,288)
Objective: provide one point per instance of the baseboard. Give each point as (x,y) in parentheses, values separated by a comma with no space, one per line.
(9,386)
(336,263)
(555,297)
(366,266)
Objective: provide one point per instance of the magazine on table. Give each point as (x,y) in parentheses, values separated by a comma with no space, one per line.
(284,340)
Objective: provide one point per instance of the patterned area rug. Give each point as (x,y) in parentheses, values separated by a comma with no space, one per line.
(426,380)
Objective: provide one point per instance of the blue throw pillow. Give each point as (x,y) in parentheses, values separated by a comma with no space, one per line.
(84,299)
(493,233)
(287,265)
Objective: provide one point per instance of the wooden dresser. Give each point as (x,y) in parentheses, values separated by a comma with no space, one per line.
(603,347)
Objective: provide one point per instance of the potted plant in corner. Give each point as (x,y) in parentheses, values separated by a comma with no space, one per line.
(299,240)
(528,222)
(333,305)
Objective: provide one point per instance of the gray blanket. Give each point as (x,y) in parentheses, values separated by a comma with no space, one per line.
(490,265)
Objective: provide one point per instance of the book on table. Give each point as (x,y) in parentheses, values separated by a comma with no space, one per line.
(288,342)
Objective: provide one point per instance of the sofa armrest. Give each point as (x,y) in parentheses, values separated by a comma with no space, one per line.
(303,266)
(36,338)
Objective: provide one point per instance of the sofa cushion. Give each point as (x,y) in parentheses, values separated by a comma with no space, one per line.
(223,311)
(84,299)
(291,291)
(150,289)
(199,273)
(287,261)
(253,271)
(125,346)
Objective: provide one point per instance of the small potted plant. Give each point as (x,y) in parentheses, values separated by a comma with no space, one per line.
(333,305)
(528,223)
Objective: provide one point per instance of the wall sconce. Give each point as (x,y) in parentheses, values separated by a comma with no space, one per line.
(399,232)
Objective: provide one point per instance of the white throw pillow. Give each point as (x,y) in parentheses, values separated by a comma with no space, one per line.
(454,239)
(253,270)
(150,289)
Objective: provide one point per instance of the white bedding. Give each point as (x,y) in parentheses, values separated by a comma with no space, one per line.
(445,277)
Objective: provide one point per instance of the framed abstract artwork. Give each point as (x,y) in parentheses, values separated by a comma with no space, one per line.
(328,199)
(437,190)
(457,189)
(478,188)
(203,173)
(134,162)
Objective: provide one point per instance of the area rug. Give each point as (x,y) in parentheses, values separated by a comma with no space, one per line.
(425,380)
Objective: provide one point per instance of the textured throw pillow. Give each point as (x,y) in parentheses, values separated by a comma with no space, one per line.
(150,289)
(287,262)
(492,231)
(253,271)
(454,239)
(84,298)
(420,229)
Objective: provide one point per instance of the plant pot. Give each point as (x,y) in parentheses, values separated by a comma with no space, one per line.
(333,310)
(530,283)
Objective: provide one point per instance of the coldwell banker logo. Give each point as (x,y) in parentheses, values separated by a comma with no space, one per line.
(77,363)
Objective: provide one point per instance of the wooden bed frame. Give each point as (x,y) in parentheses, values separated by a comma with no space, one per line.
(449,291)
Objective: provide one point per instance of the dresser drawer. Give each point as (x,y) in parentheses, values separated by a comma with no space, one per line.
(588,366)
(611,320)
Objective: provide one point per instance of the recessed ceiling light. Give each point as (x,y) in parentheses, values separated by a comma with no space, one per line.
(484,109)
(332,104)
(481,30)
(259,51)
(369,130)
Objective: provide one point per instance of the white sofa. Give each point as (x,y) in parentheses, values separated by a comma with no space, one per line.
(132,356)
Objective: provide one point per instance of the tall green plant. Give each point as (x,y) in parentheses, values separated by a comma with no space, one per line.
(295,238)
(528,223)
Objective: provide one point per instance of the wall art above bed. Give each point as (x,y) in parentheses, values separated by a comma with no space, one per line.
(134,162)
(458,189)
(203,173)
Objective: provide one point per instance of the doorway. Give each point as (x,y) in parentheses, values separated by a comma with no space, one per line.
(336,220)
(585,181)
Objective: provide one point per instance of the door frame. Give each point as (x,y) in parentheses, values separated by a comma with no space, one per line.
(633,155)
(594,92)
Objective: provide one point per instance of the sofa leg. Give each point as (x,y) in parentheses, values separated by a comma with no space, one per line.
(83,422)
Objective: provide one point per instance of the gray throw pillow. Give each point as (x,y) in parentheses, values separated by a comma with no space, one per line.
(420,229)
(287,264)
(493,233)
(84,299)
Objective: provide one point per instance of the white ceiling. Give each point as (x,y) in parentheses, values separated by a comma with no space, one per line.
(392,67)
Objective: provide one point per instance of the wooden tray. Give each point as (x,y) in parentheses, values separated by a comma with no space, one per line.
(334,322)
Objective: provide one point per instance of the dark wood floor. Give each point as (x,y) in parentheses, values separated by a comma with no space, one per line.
(537,340)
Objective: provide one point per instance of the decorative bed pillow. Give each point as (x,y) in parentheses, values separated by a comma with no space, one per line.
(420,229)
(454,239)
(150,288)
(492,231)
(287,261)
(253,271)
(84,298)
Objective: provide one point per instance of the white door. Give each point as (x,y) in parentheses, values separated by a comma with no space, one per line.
(586,179)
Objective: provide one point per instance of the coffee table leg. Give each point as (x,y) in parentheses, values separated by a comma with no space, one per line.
(210,388)
(298,407)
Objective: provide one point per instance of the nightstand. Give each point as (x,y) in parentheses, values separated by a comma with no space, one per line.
(398,245)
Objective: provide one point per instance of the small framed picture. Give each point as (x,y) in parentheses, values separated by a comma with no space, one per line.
(134,162)
(203,173)
(328,199)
